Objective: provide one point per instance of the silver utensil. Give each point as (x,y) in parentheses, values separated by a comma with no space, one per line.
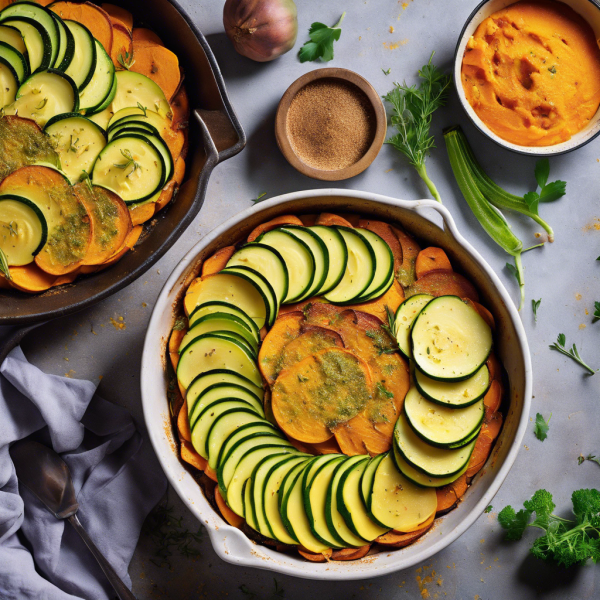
(47,476)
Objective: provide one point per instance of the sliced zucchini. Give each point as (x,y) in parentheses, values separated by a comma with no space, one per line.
(366,481)
(230,289)
(359,272)
(16,60)
(220,322)
(247,508)
(83,64)
(212,351)
(456,394)
(263,285)
(270,498)
(12,36)
(44,95)
(37,42)
(105,106)
(66,49)
(333,509)
(23,230)
(132,127)
(442,426)
(320,256)
(350,502)
(40,15)
(384,266)
(260,432)
(264,260)
(131,167)
(160,145)
(406,314)
(216,306)
(138,114)
(94,94)
(338,255)
(298,259)
(396,502)
(435,462)
(450,339)
(9,84)
(134,89)
(78,142)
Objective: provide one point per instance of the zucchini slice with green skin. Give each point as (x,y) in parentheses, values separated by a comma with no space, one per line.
(265,260)
(406,314)
(66,49)
(420,478)
(131,167)
(366,481)
(270,499)
(230,289)
(450,339)
(384,266)
(135,114)
(350,501)
(457,394)
(396,502)
(338,255)
(263,285)
(320,256)
(135,89)
(360,269)
(334,509)
(16,60)
(83,64)
(92,97)
(106,103)
(132,127)
(78,142)
(9,84)
(315,483)
(212,351)
(432,461)
(23,229)
(223,426)
(216,306)
(298,258)
(12,36)
(44,95)
(442,426)
(262,431)
(225,333)
(37,42)
(220,322)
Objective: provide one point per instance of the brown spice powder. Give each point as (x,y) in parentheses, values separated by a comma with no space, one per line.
(330,124)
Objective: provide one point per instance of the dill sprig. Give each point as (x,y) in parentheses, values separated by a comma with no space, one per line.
(572,353)
(129,161)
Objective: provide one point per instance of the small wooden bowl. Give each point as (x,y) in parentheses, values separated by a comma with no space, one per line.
(285,144)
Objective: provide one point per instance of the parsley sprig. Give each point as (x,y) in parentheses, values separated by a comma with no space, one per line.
(412,111)
(548,192)
(572,353)
(321,41)
(566,541)
(596,312)
(541,427)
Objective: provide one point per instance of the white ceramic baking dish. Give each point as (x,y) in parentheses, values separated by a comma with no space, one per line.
(420,218)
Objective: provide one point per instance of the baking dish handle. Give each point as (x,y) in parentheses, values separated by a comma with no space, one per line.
(210,148)
(444,220)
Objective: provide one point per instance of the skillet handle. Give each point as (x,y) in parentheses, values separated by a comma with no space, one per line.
(212,154)
(10,337)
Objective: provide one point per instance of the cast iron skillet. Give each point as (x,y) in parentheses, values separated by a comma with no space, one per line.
(215,134)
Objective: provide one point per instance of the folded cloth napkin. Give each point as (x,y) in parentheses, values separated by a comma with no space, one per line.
(115,473)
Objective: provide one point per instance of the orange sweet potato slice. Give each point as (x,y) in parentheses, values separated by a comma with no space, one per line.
(326,388)
(286,328)
(90,15)
(493,398)
(232,518)
(308,220)
(190,456)
(210,473)
(312,340)
(449,495)
(30,278)
(168,192)
(329,447)
(276,222)
(406,274)
(384,231)
(122,47)
(218,261)
(180,106)
(483,446)
(431,259)
(393,298)
(330,219)
(141,214)
(183,423)
(495,367)
(159,64)
(4,284)
(119,15)
(130,242)
(174,342)
(312,557)
(444,283)
(67,278)
(141,34)
(287,308)
(397,539)
(350,553)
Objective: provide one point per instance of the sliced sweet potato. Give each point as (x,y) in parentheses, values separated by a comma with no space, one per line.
(312,557)
(68,278)
(141,214)
(122,47)
(183,423)
(306,448)
(483,446)
(180,105)
(168,192)
(119,15)
(329,447)
(406,274)
(485,314)
(396,539)
(444,283)
(493,398)
(276,222)
(495,367)
(4,284)
(313,396)
(218,261)
(141,34)
(393,298)
(130,242)
(330,219)
(431,259)
(174,342)
(232,518)
(308,220)
(350,553)
(384,231)
(93,17)
(449,495)
(210,473)
(158,63)
(312,340)
(190,456)
(285,329)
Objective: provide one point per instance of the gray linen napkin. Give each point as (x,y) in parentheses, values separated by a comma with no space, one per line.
(116,476)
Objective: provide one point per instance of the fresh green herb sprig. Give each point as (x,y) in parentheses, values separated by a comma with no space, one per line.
(85,178)
(541,427)
(596,312)
(259,198)
(126,60)
(321,41)
(412,112)
(535,304)
(591,457)
(4,265)
(386,71)
(488,509)
(572,353)
(549,192)
(567,542)
(390,326)
(129,162)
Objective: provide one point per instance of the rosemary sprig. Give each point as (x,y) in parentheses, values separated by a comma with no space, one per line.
(4,265)
(572,353)
(390,326)
(13,229)
(259,197)
(85,177)
(127,61)
(591,457)
(129,161)
(144,109)
(72,145)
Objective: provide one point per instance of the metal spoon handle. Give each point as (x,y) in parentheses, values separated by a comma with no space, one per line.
(122,590)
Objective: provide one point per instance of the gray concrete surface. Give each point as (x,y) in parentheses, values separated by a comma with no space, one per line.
(98,345)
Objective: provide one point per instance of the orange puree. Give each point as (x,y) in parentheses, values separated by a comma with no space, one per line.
(532,73)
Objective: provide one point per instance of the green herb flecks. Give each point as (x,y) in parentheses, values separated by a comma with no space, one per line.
(412,112)
(548,192)
(13,228)
(382,341)
(126,60)
(180,324)
(387,71)
(535,304)
(572,353)
(129,162)
(144,109)
(488,509)
(565,541)
(383,392)
(73,145)
(4,265)
(321,42)
(541,427)
(591,457)
(85,177)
